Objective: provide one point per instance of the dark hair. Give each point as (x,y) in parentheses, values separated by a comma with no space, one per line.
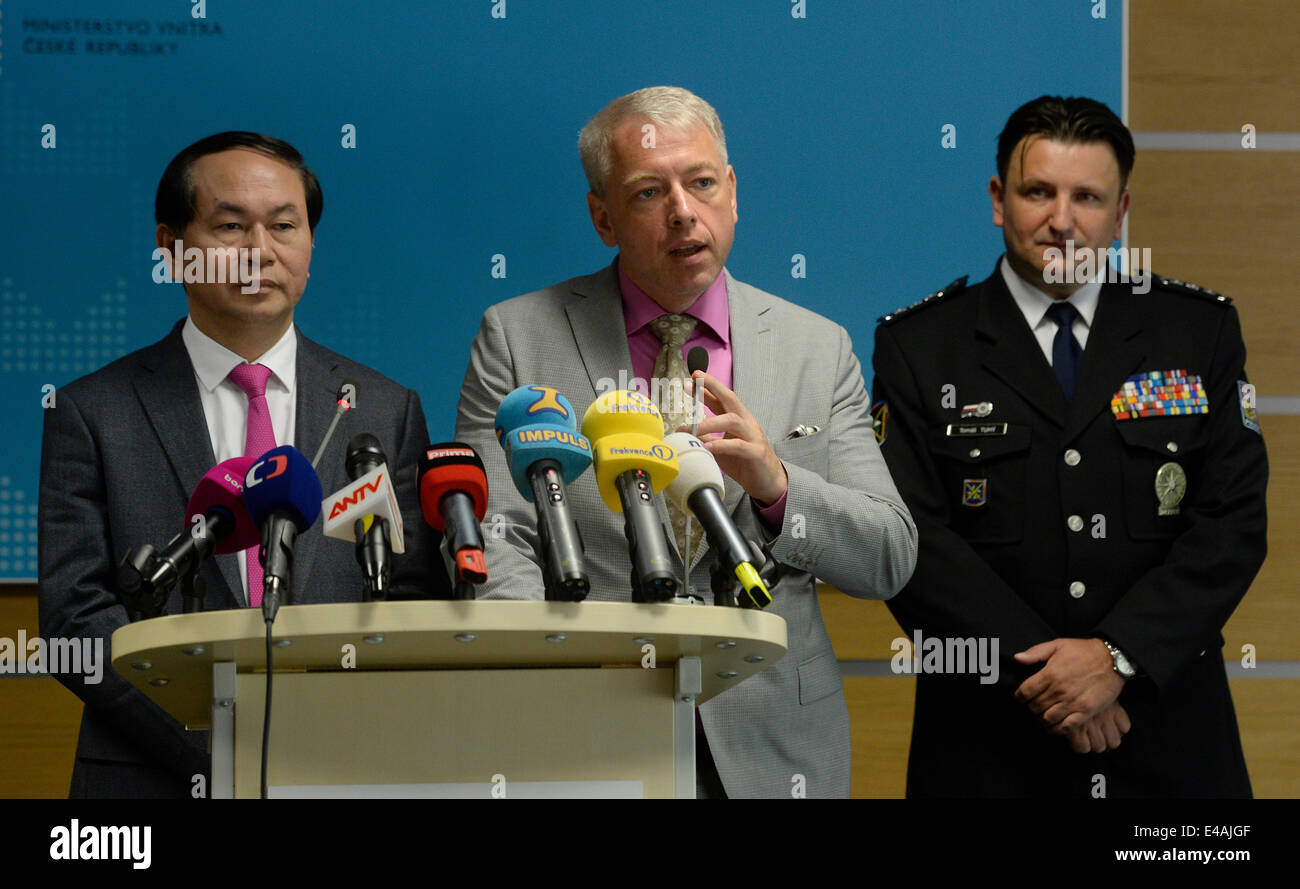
(174,204)
(1075,119)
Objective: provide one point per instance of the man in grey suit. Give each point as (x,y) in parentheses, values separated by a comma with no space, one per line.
(124,447)
(790,426)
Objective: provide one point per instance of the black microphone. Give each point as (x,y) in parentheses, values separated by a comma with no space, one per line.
(697,489)
(374,552)
(283,496)
(453,498)
(632,464)
(537,427)
(347,400)
(697,359)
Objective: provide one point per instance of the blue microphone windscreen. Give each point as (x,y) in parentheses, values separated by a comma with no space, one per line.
(283,479)
(530,405)
(538,423)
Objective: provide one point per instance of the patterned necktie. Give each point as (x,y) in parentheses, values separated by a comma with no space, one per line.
(259,439)
(675,404)
(1065,348)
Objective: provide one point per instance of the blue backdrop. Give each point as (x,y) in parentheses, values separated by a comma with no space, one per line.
(466,125)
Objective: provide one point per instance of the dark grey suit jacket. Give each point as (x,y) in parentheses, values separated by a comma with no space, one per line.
(123,450)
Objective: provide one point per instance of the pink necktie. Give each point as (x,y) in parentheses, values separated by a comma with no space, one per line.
(259,439)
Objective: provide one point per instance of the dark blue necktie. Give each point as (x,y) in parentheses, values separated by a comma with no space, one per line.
(1065,348)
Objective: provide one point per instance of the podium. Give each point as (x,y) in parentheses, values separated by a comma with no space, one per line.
(461,699)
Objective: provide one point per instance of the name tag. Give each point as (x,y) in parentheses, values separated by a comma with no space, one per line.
(967,430)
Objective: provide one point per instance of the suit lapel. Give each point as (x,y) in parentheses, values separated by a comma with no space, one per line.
(315,405)
(1008,350)
(599,331)
(754,366)
(169,392)
(1113,353)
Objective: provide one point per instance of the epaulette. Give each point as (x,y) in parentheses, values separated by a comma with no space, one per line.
(955,287)
(1189,289)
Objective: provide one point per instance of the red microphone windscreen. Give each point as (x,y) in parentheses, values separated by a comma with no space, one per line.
(223,488)
(446,468)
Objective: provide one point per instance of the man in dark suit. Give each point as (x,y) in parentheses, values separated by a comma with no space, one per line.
(125,447)
(1085,467)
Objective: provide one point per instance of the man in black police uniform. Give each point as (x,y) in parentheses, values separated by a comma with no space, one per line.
(1087,474)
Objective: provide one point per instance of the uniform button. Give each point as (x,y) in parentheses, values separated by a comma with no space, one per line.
(1072,457)
(1077,589)
(1173,447)
(1075,523)
(974,452)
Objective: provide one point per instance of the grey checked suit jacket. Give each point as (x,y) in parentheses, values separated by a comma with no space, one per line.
(123,450)
(844,520)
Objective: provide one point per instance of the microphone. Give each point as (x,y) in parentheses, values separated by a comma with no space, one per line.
(283,495)
(697,359)
(538,430)
(453,498)
(698,489)
(632,464)
(224,527)
(347,399)
(366,512)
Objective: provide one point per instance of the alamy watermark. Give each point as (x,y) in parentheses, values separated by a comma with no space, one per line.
(89,842)
(82,656)
(1083,265)
(666,393)
(210,265)
(946,654)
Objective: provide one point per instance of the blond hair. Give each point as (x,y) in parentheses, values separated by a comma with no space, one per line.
(668,106)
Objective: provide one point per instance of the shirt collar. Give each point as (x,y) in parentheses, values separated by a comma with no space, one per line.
(1034,303)
(213,362)
(639,309)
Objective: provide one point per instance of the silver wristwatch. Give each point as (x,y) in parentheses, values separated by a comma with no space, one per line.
(1123,666)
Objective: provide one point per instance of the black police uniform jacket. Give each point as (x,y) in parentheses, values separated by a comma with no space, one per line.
(999,558)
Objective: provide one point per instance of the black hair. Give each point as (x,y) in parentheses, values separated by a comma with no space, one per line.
(174,204)
(1075,119)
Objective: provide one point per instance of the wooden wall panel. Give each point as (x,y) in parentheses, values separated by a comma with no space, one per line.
(860,629)
(1269,616)
(1270,734)
(38,734)
(880,713)
(39,718)
(1229,221)
(1213,64)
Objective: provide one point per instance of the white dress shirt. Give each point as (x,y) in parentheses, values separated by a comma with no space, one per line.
(225,406)
(1034,304)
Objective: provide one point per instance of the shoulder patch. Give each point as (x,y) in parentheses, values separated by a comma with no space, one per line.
(953,288)
(1189,289)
